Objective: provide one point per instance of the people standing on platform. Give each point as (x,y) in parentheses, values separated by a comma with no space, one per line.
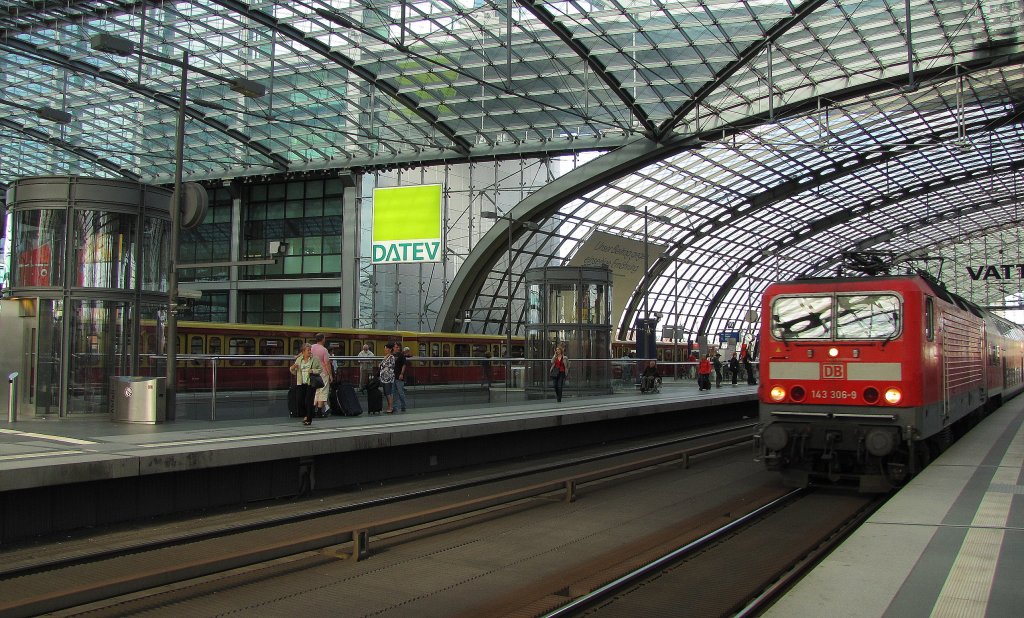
(559,371)
(485,369)
(716,362)
(626,368)
(387,376)
(734,368)
(401,362)
(704,373)
(319,350)
(365,366)
(305,365)
(748,366)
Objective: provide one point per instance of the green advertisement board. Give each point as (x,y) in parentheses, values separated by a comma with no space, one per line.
(407,225)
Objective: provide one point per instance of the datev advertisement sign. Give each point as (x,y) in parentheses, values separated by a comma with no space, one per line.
(407,224)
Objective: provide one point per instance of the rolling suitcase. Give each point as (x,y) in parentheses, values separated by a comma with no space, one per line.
(295,404)
(344,401)
(374,397)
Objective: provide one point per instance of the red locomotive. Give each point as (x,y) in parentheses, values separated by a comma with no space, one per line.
(864,379)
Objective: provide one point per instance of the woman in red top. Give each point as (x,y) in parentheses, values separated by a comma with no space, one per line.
(559,370)
(704,373)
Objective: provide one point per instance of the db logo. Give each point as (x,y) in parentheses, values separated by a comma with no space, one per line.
(834,371)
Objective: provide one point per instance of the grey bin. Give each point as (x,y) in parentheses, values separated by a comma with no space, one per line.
(517,377)
(135,399)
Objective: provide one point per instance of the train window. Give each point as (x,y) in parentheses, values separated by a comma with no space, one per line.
(463,349)
(868,316)
(929,319)
(241,345)
(337,347)
(215,345)
(435,351)
(195,347)
(272,347)
(801,317)
(446,352)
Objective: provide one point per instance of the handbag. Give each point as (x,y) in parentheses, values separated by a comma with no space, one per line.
(316,380)
(554,371)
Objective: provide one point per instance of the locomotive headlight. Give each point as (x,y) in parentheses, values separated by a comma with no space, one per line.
(777,393)
(893,396)
(833,352)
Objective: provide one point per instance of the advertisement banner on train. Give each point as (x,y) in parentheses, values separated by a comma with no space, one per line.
(407,225)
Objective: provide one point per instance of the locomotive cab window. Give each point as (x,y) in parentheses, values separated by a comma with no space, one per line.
(802,317)
(843,316)
(868,316)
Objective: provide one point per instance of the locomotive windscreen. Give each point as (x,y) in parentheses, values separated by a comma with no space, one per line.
(842,316)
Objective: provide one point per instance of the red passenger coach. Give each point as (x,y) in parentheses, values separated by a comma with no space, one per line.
(864,379)
(258,355)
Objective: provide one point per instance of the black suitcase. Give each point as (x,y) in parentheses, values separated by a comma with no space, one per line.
(374,396)
(344,401)
(295,404)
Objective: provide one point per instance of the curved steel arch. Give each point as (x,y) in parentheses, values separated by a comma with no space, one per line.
(618,163)
(825,223)
(470,276)
(458,143)
(785,190)
(50,57)
(38,136)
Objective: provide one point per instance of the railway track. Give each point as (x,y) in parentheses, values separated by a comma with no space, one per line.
(738,569)
(75,577)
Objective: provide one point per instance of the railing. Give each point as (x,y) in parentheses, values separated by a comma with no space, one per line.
(222,387)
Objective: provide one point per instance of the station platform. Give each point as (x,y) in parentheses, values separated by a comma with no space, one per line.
(950,543)
(57,474)
(36,453)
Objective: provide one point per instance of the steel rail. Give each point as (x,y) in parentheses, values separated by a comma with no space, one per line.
(49,564)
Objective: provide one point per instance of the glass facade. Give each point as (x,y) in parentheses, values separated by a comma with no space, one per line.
(305,214)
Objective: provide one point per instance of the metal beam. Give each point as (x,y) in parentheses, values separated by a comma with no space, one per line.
(242,8)
(41,137)
(539,11)
(746,57)
(171,101)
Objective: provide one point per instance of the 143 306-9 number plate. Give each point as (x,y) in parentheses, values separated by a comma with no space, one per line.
(833,394)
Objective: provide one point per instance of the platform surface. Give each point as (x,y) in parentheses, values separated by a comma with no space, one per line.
(950,543)
(36,453)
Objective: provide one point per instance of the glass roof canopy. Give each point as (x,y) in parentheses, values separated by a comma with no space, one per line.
(780,133)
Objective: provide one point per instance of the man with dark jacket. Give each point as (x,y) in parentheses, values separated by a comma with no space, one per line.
(401,362)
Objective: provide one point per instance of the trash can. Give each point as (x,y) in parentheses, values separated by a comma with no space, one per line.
(517,377)
(138,399)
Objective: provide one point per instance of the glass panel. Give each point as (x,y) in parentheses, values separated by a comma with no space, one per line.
(868,316)
(103,249)
(39,238)
(801,317)
(100,348)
